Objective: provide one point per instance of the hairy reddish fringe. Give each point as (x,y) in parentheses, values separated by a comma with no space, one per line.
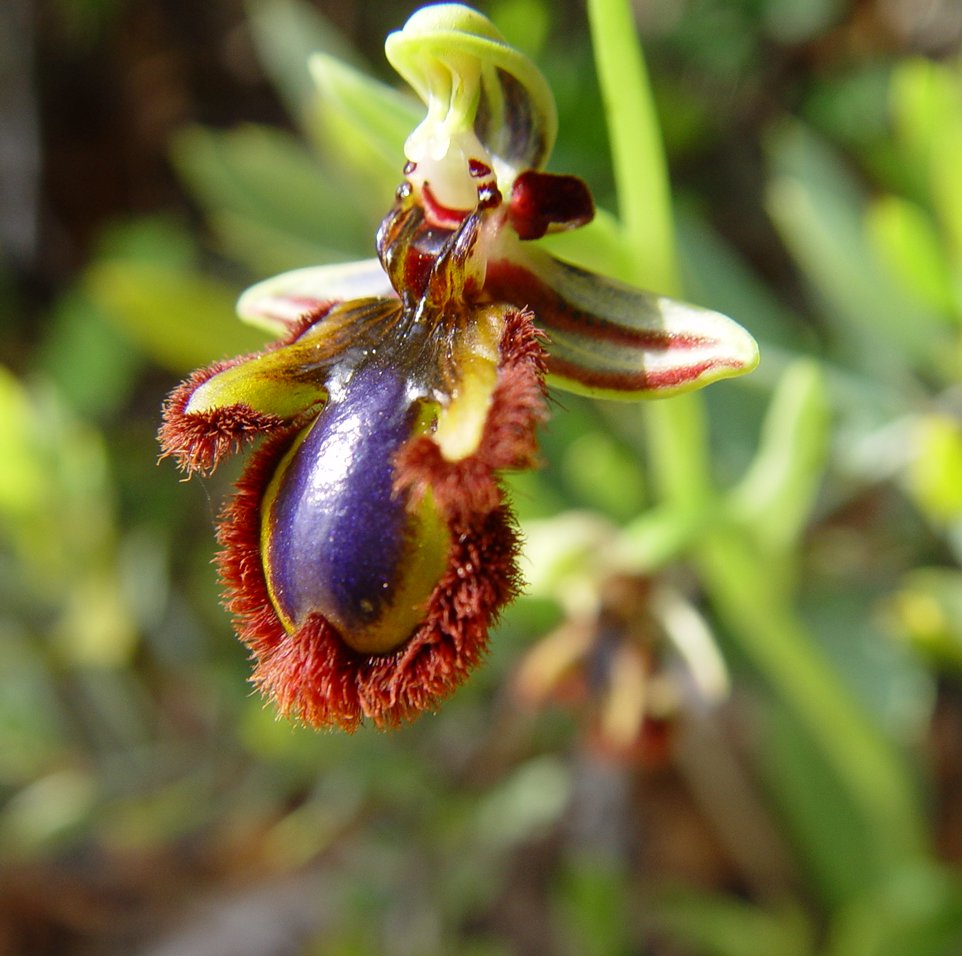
(311,674)
(508,440)
(199,440)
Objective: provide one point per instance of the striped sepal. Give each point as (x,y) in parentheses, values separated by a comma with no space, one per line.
(610,340)
(280,303)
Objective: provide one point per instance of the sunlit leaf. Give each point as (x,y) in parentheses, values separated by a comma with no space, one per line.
(909,245)
(179,318)
(935,472)
(262,184)
(778,491)
(926,105)
(926,610)
(819,211)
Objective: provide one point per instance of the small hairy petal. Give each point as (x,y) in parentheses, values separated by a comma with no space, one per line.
(311,674)
(518,405)
(198,441)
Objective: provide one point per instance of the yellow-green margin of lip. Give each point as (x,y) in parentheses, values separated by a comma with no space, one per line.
(456,61)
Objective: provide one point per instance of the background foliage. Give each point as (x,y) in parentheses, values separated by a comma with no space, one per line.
(726,719)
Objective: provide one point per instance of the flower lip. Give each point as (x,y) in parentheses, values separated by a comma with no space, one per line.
(307,667)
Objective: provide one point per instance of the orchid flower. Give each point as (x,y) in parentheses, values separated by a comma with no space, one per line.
(369,547)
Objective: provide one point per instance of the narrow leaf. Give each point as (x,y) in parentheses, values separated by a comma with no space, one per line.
(779,488)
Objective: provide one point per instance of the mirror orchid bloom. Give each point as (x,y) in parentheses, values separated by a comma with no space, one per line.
(369,546)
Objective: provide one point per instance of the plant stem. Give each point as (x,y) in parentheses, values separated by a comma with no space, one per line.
(641,175)
(733,574)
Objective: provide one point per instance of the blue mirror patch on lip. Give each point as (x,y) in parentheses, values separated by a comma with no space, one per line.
(337,531)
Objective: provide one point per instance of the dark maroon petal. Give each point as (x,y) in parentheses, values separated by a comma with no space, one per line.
(541,201)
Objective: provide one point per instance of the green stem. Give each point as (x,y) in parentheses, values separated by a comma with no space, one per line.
(736,579)
(677,436)
(641,175)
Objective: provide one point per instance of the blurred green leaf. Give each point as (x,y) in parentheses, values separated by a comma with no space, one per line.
(32,724)
(363,125)
(908,245)
(286,33)
(777,493)
(162,239)
(714,273)
(926,611)
(47,811)
(271,201)
(947,188)
(851,105)
(55,498)
(835,843)
(179,318)
(561,554)
(934,476)
(604,475)
(790,22)
(92,363)
(819,211)
(926,108)
(22,477)
(594,907)
(660,535)
(715,925)
(61,602)
(524,23)
(525,805)
(844,614)
(917,910)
